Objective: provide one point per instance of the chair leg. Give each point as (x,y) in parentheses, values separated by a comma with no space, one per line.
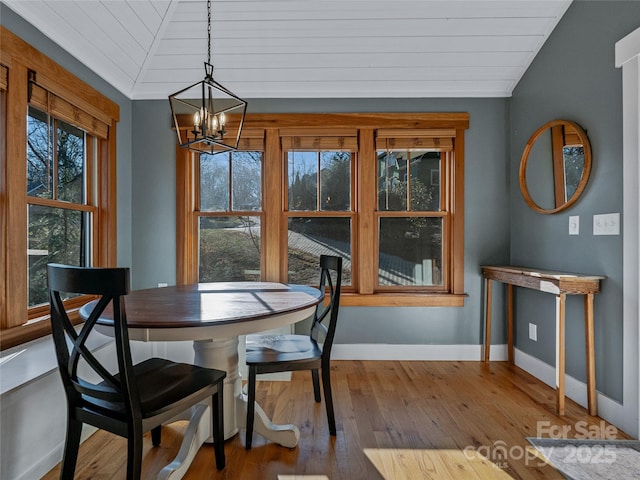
(71,447)
(328,399)
(316,384)
(251,401)
(134,452)
(156,435)
(217,414)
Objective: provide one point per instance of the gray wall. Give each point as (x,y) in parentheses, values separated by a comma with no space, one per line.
(574,78)
(486,212)
(29,34)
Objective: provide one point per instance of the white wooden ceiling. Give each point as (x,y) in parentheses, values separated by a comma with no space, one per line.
(149,49)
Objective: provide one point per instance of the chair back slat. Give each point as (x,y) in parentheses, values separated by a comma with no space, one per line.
(72,352)
(81,352)
(326,316)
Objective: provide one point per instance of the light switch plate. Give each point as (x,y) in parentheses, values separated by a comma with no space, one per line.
(574,225)
(606,224)
(533,332)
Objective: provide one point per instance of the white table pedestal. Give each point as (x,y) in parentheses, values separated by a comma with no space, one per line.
(222,354)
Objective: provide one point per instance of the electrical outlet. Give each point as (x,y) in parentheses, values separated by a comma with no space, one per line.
(162,284)
(533,332)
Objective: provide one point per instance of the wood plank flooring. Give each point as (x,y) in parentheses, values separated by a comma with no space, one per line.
(395,419)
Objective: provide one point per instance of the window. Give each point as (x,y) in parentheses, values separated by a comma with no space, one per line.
(413,214)
(59,218)
(384,191)
(229,216)
(319,203)
(58,186)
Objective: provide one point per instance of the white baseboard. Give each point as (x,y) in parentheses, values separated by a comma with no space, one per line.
(376,351)
(43,465)
(576,390)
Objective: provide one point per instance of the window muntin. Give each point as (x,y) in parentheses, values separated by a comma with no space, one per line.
(229,244)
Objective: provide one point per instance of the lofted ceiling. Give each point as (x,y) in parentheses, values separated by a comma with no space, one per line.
(148,49)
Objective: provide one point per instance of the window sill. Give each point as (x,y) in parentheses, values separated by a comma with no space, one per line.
(402,300)
(28,362)
(12,337)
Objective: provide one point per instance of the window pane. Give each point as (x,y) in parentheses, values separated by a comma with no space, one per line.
(303,180)
(392,180)
(71,155)
(408,178)
(229,249)
(335,181)
(424,181)
(214,182)
(308,238)
(39,157)
(410,251)
(247,181)
(55,235)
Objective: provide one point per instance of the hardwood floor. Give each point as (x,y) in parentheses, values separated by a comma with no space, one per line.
(395,420)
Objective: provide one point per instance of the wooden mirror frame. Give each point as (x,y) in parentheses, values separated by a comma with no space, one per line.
(558,185)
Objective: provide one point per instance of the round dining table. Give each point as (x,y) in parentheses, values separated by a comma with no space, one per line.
(213,316)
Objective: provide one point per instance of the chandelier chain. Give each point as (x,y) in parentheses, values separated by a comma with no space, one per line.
(209,31)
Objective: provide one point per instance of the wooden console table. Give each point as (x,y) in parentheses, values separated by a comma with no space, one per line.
(559,284)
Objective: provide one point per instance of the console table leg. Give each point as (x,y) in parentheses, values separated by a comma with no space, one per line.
(487,322)
(560,352)
(590,348)
(510,323)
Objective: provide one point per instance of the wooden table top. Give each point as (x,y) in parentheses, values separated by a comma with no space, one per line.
(211,304)
(544,280)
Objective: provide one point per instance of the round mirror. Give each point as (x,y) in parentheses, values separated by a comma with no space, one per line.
(555,166)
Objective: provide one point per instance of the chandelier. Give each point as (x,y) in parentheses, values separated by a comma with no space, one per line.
(207,117)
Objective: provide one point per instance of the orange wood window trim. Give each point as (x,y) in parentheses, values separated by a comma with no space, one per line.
(16,319)
(363,290)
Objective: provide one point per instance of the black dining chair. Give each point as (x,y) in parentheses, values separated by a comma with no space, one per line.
(286,353)
(113,394)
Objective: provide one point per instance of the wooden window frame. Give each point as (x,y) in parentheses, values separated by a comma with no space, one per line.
(317,140)
(411,140)
(276,214)
(83,106)
(198,213)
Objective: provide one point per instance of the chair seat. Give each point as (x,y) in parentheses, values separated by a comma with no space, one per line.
(273,349)
(162,383)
